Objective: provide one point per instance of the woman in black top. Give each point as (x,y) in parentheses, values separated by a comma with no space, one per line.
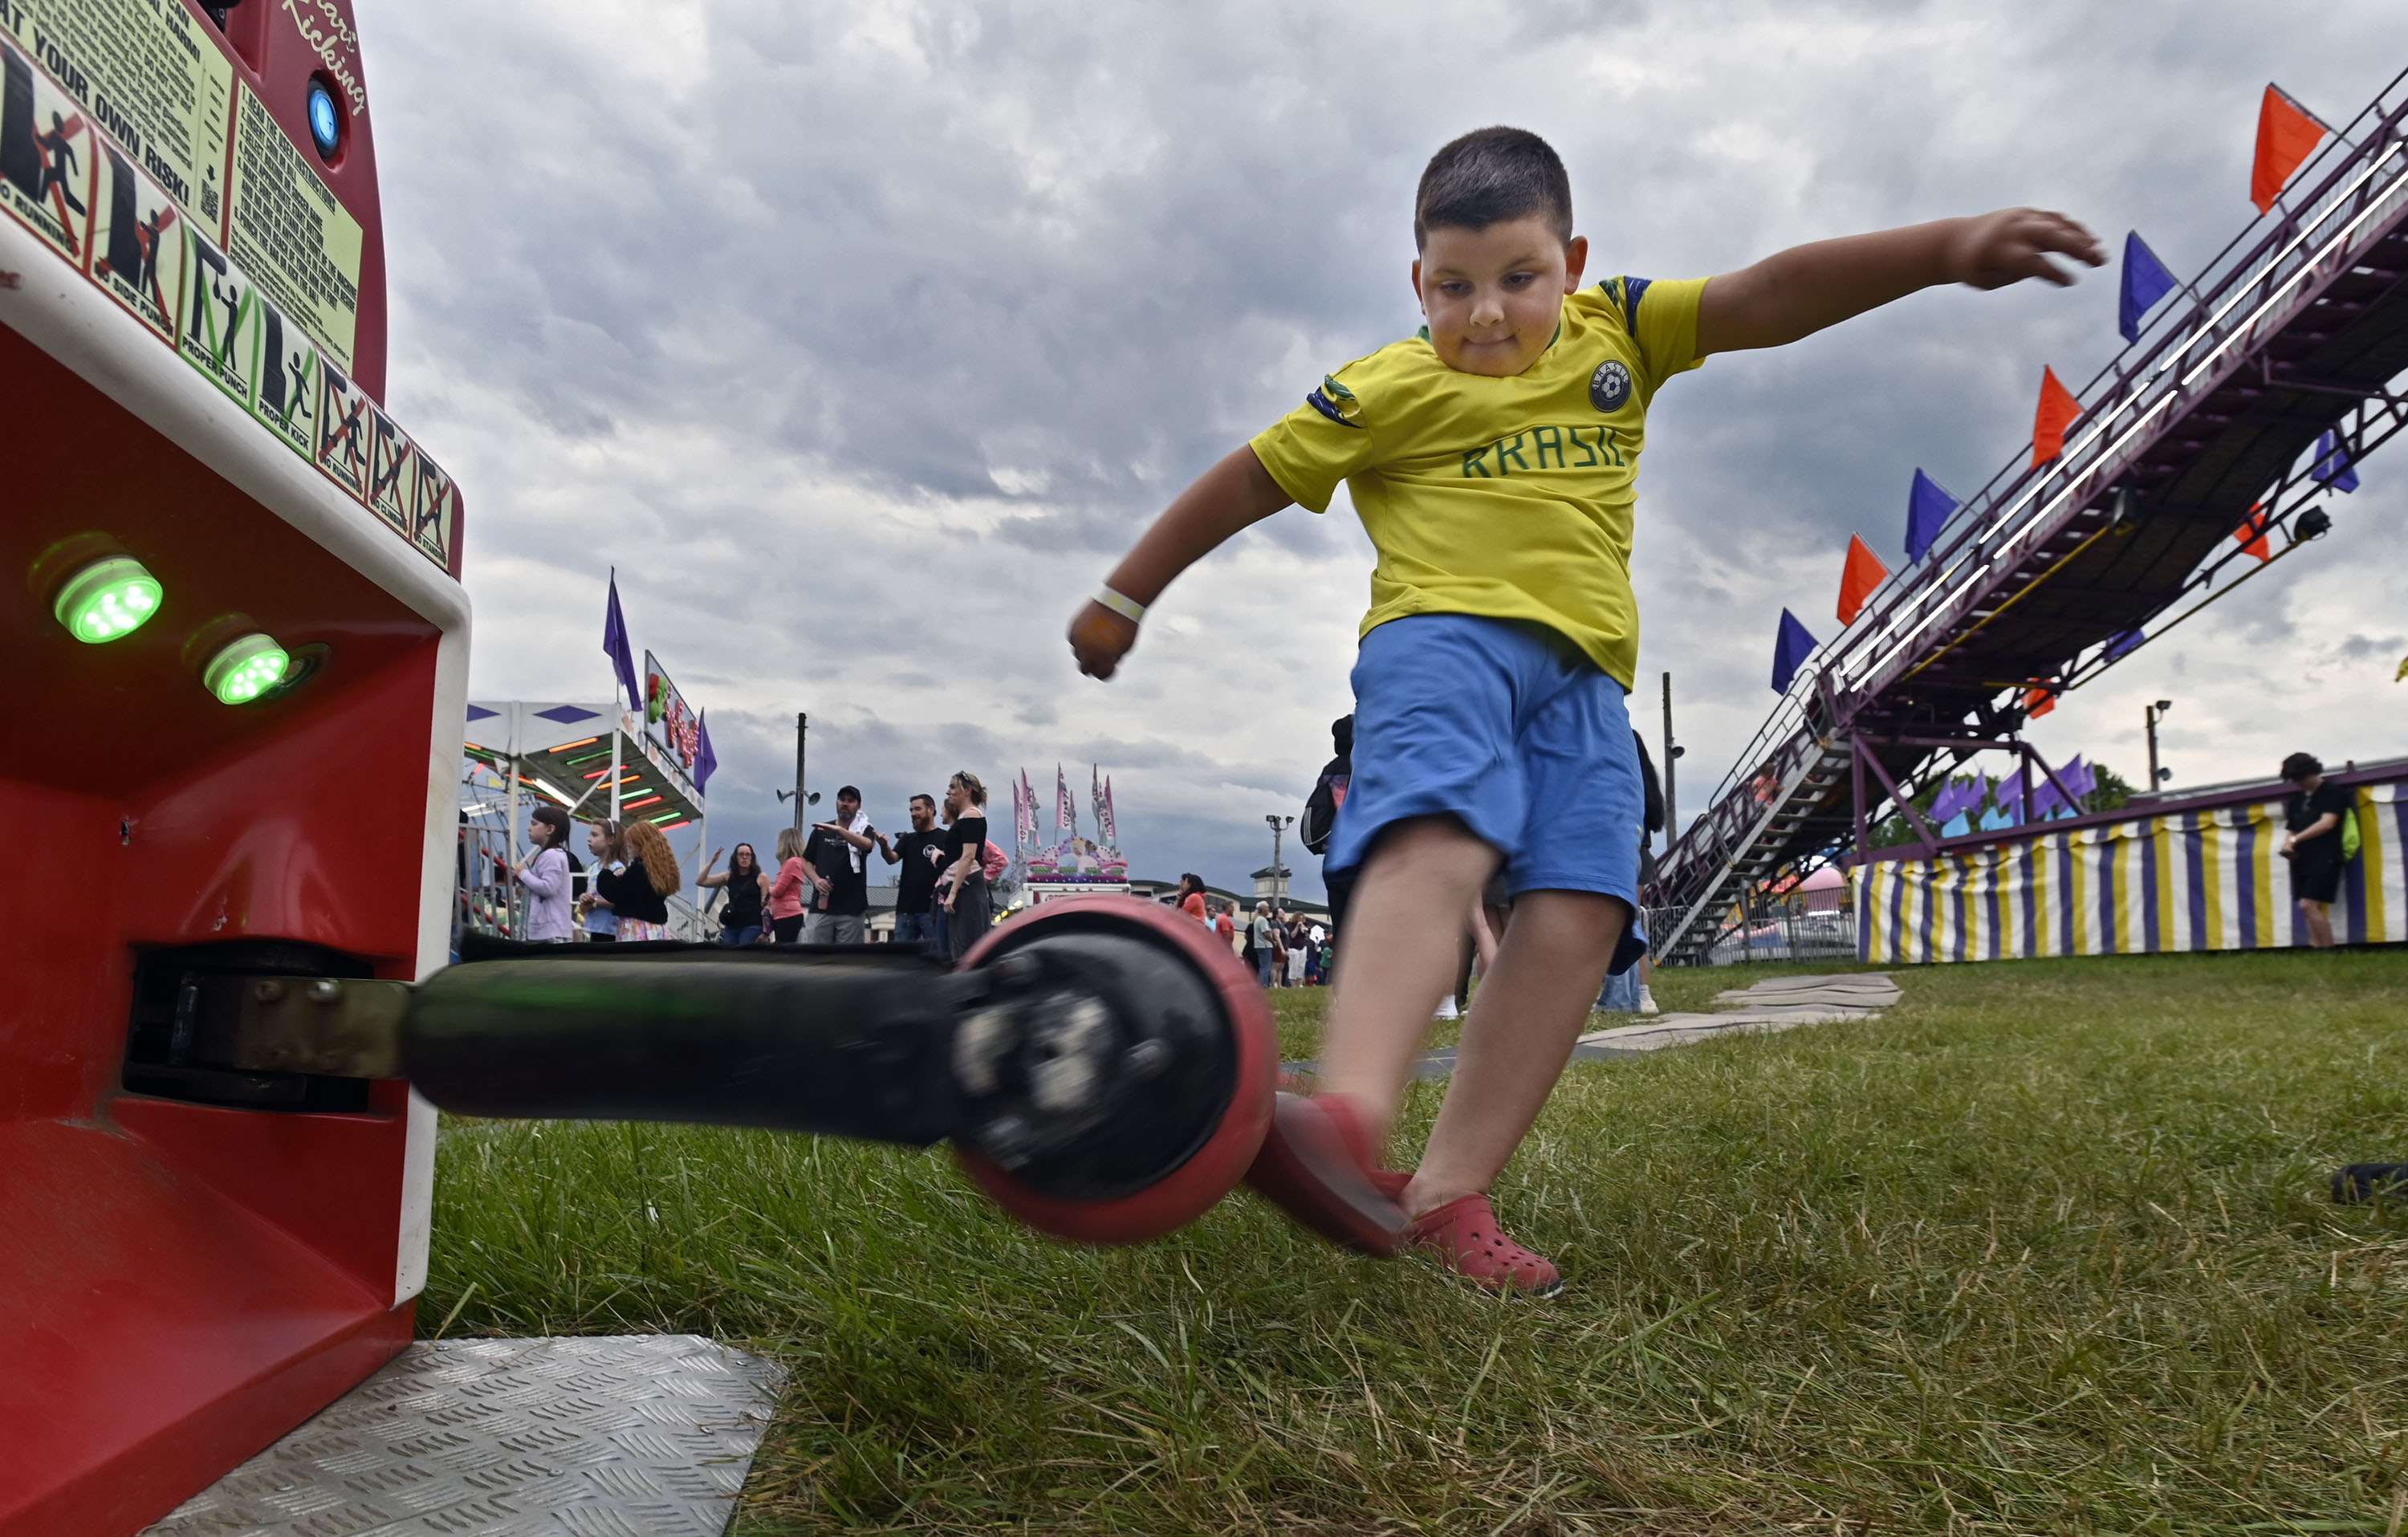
(963,886)
(748,887)
(2313,815)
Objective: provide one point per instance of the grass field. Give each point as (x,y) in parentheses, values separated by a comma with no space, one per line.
(2046,1248)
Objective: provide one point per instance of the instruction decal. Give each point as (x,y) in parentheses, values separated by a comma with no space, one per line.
(222,323)
(137,242)
(118,119)
(342,453)
(393,488)
(45,156)
(437,518)
(287,400)
(300,245)
(147,73)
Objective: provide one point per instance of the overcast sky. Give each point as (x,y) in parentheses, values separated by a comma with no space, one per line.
(863,338)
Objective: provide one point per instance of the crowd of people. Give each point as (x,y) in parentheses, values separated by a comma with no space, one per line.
(816,893)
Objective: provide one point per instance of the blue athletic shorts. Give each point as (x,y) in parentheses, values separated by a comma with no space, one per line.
(1508,727)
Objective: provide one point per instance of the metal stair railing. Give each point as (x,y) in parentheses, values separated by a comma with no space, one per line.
(1739,863)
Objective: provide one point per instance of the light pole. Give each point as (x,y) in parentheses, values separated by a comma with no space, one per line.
(802,753)
(1279,877)
(2151,716)
(1673,753)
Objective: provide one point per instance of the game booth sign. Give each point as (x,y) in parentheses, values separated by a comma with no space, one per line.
(1070,865)
(223,1057)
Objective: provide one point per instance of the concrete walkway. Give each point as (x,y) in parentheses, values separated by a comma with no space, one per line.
(1777,1003)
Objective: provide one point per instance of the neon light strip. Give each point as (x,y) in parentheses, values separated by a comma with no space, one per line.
(631,805)
(672,826)
(589,757)
(572,746)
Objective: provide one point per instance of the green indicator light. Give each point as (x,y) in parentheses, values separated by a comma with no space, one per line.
(246,669)
(106,599)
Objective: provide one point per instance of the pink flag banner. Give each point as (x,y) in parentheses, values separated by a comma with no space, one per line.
(1071,859)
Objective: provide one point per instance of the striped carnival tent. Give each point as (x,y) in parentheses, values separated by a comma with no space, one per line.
(2200,872)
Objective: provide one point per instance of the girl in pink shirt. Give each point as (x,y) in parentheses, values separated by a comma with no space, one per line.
(786,891)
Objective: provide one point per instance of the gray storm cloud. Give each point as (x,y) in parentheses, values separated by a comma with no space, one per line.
(860,338)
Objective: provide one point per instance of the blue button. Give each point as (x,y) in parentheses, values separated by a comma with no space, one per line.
(325,121)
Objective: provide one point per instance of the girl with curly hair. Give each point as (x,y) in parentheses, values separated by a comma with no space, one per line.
(640,894)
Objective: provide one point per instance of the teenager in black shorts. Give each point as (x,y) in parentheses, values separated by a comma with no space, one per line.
(2313,815)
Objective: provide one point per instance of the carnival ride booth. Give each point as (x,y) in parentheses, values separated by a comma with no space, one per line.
(596,762)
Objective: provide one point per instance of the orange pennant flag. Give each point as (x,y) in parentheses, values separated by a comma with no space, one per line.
(1858,579)
(2288,133)
(2057,409)
(2252,533)
(2039,702)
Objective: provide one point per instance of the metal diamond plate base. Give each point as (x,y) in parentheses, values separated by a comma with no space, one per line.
(645,1435)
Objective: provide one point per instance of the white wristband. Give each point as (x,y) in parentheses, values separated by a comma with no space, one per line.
(1127,608)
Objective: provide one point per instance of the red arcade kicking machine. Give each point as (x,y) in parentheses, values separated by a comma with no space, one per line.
(231,603)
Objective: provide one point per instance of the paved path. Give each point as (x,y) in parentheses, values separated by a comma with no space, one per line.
(1777,1003)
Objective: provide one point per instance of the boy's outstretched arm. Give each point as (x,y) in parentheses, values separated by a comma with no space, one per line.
(1233,494)
(1798,291)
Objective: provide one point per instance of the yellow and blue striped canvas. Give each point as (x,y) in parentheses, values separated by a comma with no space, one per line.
(2179,880)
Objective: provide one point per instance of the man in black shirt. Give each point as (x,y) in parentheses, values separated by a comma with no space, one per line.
(920,852)
(839,876)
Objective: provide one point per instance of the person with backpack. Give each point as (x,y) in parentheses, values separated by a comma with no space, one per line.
(2322,822)
(1321,813)
(1630,992)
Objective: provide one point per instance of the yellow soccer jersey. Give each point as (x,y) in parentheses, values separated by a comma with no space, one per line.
(1510,498)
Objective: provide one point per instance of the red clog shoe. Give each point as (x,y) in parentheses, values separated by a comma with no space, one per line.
(1463,1235)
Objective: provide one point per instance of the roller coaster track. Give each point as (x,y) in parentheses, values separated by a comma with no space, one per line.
(2298,327)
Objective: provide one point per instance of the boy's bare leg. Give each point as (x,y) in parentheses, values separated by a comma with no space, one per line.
(1523,1024)
(1405,924)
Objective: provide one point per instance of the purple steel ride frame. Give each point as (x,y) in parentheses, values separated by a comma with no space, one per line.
(2298,327)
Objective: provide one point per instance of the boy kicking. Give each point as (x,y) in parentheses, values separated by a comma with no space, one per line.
(1492,459)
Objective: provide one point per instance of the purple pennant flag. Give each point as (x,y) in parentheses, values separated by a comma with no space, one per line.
(1790,648)
(706,757)
(2044,799)
(2332,464)
(1944,805)
(2124,642)
(2076,776)
(1927,505)
(2145,282)
(614,645)
(1948,803)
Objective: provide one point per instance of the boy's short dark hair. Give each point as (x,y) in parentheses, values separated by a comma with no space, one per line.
(1490,176)
(2300,766)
